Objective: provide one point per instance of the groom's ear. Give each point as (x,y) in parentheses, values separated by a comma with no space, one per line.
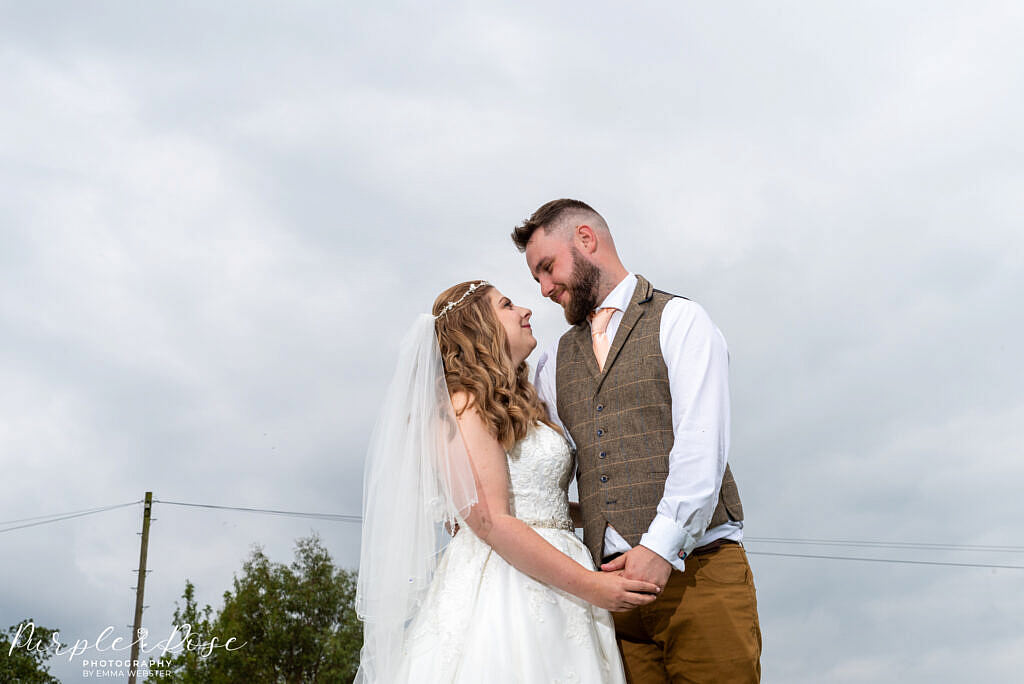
(585,238)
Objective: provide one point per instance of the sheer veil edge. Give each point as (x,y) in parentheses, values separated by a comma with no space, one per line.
(417,477)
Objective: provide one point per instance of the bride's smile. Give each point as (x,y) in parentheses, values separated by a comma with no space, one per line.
(515,321)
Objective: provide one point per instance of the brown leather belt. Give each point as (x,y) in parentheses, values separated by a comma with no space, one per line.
(708,548)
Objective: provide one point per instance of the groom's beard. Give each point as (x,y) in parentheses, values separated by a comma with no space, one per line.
(582,289)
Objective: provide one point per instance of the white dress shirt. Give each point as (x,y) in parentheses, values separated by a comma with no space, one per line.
(697,359)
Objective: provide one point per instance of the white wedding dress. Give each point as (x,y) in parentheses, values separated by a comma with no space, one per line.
(484,621)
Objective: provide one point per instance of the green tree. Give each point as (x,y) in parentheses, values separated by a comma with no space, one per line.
(187,667)
(297,623)
(26,662)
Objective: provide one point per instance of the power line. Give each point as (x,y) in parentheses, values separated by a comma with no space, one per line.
(924,546)
(358,519)
(887,560)
(54,515)
(293,514)
(57,517)
(920,546)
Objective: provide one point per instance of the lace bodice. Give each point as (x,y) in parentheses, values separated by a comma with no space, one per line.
(484,620)
(540,466)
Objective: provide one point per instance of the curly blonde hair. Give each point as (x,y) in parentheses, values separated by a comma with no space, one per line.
(477,361)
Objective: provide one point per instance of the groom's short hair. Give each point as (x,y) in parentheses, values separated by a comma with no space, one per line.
(548,217)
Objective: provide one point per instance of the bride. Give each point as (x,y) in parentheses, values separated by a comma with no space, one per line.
(464,444)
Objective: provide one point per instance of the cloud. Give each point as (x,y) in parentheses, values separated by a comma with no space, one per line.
(219,222)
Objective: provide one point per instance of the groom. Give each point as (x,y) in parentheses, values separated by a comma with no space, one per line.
(640,382)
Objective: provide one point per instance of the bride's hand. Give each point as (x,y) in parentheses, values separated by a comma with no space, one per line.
(614,592)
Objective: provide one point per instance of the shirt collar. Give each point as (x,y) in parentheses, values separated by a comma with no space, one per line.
(620,296)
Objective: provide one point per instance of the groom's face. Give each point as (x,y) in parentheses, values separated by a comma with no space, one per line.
(564,274)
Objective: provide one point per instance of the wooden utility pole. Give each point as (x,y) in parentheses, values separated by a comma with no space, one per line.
(140,588)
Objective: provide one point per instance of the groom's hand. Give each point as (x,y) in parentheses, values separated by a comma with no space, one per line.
(642,564)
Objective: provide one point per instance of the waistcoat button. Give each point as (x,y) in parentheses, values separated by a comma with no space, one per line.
(600,407)
(600,432)
(604,478)
(602,455)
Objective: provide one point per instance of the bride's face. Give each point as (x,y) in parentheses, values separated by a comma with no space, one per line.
(516,322)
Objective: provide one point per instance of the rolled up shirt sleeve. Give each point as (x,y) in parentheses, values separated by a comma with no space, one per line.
(697,360)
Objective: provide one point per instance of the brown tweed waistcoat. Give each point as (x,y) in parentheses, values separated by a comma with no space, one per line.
(621,422)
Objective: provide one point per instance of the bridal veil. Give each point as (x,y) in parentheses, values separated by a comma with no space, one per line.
(417,477)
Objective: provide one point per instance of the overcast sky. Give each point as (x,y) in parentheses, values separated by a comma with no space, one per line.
(216,224)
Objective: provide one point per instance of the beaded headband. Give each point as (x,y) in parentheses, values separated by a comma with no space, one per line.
(451,305)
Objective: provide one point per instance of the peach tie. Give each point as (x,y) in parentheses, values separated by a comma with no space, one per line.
(599,333)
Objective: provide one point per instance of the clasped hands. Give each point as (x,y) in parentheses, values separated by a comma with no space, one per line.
(632,580)
(639,576)
(640,563)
